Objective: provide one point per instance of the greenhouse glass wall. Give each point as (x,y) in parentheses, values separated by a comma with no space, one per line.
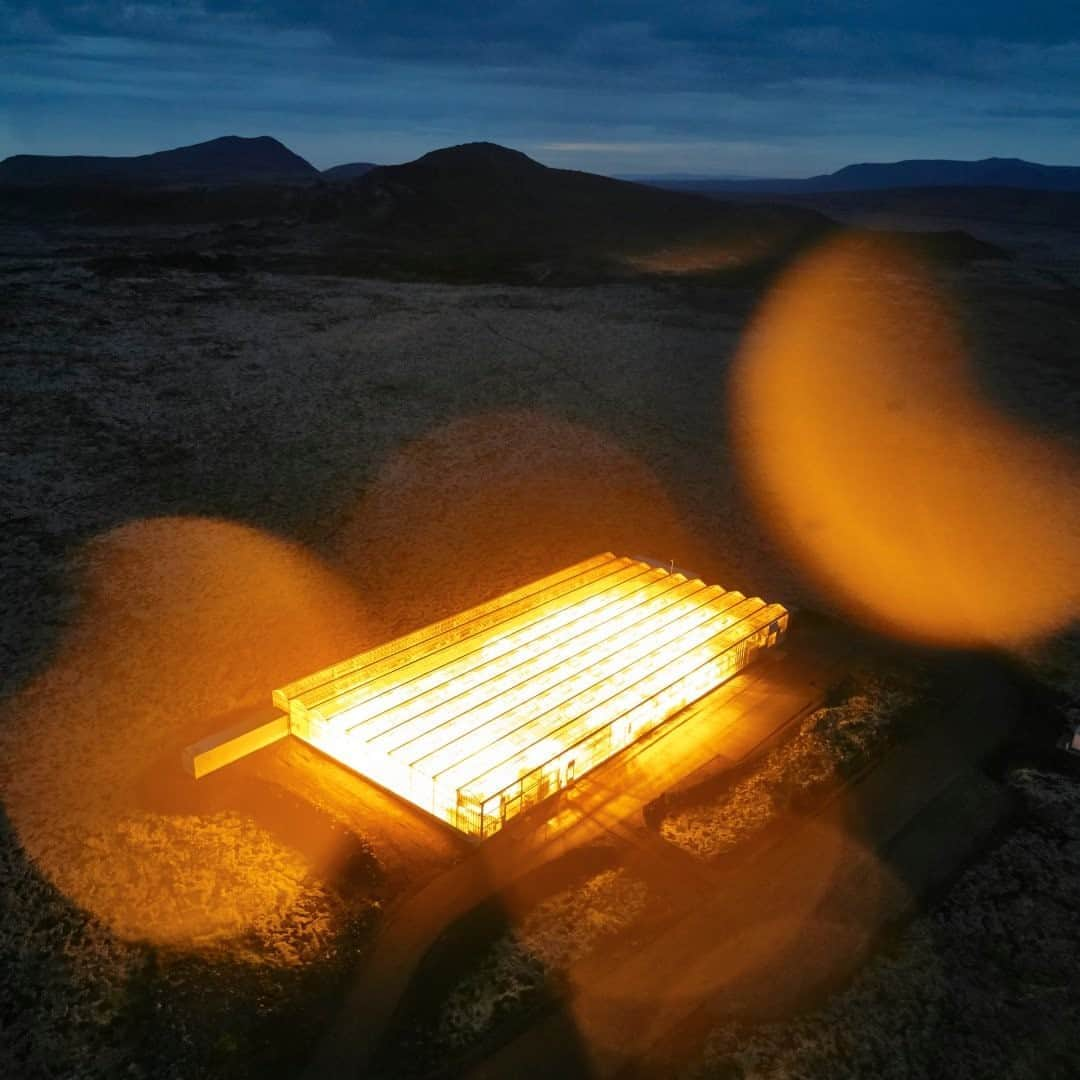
(480,716)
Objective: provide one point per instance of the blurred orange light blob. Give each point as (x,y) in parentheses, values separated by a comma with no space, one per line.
(179,619)
(870,451)
(486,503)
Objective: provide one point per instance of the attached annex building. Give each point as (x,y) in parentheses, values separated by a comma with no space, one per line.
(477,717)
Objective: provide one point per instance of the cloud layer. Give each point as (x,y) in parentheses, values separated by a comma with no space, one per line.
(741,87)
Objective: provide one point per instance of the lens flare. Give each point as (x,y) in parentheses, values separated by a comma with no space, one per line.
(908,498)
(180,619)
(486,503)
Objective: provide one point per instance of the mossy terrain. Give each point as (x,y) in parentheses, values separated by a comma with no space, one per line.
(505,962)
(876,707)
(981,985)
(269,470)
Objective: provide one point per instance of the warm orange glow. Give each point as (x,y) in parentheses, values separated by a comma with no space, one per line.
(478,716)
(179,620)
(694,258)
(872,454)
(484,502)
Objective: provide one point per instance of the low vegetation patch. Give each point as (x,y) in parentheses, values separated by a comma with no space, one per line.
(512,968)
(872,711)
(980,985)
(1056,665)
(80,1001)
(561,930)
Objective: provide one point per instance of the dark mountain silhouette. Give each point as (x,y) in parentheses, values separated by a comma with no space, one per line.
(228,160)
(482,193)
(348,172)
(472,212)
(480,209)
(990,172)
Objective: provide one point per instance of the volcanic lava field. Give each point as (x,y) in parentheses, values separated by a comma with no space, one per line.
(217,476)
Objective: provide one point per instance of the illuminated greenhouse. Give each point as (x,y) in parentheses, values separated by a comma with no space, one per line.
(482,715)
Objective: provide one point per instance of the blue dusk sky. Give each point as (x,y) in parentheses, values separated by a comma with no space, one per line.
(724,88)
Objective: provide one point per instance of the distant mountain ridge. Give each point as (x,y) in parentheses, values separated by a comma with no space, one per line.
(500,196)
(349,171)
(915,173)
(230,159)
(476,211)
(233,159)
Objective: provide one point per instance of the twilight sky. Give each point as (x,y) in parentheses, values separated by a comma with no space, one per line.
(731,87)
